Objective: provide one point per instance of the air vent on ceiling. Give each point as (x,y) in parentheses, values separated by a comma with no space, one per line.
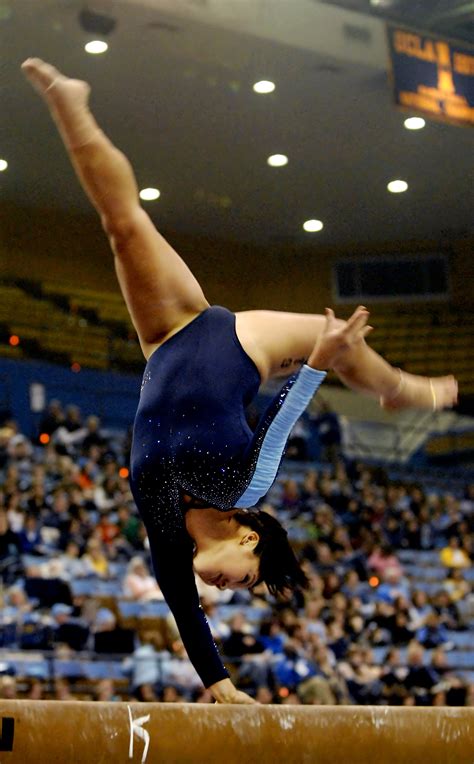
(357,33)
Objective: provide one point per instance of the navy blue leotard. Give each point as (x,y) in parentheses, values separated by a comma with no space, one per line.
(191,438)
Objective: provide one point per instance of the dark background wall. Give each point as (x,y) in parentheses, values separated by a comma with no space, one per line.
(57,246)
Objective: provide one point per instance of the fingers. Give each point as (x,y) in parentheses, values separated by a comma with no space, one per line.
(356,326)
(330,319)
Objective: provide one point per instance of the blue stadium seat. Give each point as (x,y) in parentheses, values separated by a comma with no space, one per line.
(154,609)
(461,659)
(461,639)
(96,587)
(103,670)
(36,668)
(68,668)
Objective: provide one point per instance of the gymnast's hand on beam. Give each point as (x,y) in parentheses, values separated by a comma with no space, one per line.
(339,338)
(225,692)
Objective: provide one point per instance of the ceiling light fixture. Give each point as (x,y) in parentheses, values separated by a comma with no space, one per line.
(397,186)
(313,226)
(149,194)
(415,123)
(264,86)
(95,47)
(277,160)
(3,165)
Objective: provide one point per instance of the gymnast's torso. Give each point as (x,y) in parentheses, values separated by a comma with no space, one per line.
(191,440)
(191,436)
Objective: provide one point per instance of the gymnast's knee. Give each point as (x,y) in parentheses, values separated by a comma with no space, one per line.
(121,227)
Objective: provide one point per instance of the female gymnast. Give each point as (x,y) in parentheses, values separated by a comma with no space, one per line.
(196,467)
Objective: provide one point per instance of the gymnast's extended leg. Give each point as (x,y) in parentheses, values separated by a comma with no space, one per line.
(161,293)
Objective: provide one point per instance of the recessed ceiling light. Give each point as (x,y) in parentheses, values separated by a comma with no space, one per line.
(3,165)
(415,123)
(313,226)
(96,46)
(264,86)
(149,194)
(397,186)
(277,160)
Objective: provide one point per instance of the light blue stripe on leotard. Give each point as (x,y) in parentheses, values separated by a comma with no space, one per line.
(305,386)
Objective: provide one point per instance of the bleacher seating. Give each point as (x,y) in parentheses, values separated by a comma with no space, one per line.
(93,328)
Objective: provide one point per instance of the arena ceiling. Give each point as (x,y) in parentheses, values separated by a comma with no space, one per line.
(174,91)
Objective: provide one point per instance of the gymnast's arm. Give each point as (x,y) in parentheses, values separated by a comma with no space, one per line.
(173,566)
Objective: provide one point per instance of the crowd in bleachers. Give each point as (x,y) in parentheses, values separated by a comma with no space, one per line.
(388,619)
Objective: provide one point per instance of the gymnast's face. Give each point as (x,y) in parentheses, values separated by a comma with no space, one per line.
(230,563)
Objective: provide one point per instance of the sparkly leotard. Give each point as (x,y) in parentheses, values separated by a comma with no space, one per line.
(191,438)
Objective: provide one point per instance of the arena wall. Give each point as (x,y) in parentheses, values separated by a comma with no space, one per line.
(288,276)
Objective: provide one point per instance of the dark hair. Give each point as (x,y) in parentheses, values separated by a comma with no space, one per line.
(279,568)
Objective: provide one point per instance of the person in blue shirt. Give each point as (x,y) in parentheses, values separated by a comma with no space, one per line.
(197,468)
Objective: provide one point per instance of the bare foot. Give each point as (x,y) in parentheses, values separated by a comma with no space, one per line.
(424,393)
(59,91)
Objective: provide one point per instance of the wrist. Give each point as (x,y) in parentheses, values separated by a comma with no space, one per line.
(223,691)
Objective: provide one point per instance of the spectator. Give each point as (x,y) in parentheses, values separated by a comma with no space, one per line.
(253,665)
(18,601)
(329,432)
(171,695)
(106,530)
(62,690)
(106,493)
(30,537)
(10,549)
(419,609)
(128,526)
(220,630)
(138,584)
(52,418)
(93,435)
(456,585)
(384,562)
(144,663)
(433,633)
(420,679)
(392,679)
(110,638)
(447,610)
(35,689)
(297,444)
(105,692)
(263,695)
(8,688)
(316,691)
(95,562)
(145,693)
(453,556)
(70,566)
(69,630)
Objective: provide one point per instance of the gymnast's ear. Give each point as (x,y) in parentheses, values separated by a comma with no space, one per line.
(250,539)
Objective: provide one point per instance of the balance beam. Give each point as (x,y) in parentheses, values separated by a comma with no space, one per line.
(75,732)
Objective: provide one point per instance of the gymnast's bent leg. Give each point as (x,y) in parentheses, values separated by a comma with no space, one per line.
(280,343)
(161,293)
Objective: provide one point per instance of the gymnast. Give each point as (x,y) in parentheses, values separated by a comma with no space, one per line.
(197,469)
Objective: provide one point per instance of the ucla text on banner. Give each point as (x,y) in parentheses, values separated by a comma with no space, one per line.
(432,76)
